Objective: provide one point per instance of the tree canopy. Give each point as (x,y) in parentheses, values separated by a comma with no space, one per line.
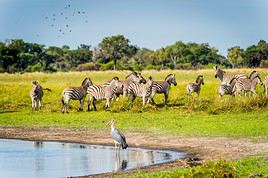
(116,52)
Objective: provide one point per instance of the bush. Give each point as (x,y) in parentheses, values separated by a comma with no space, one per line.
(107,66)
(264,64)
(88,66)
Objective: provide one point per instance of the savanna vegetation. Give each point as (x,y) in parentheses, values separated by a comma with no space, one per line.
(205,116)
(116,52)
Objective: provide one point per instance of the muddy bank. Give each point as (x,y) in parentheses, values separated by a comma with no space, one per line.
(204,148)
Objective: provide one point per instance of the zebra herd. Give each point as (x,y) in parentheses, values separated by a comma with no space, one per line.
(134,85)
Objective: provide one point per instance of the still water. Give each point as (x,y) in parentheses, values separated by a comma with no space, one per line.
(56,159)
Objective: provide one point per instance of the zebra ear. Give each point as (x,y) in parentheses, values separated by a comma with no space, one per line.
(216,67)
(34,82)
(150,78)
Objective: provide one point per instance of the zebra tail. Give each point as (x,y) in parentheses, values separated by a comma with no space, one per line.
(47,89)
(62,101)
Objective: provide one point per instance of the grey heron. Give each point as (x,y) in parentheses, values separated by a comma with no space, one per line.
(118,138)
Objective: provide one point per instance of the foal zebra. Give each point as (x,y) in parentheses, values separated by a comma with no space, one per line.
(225,89)
(107,92)
(119,89)
(195,87)
(75,93)
(132,78)
(247,85)
(163,87)
(226,78)
(143,90)
(36,95)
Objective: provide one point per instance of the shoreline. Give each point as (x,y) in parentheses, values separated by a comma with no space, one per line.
(201,148)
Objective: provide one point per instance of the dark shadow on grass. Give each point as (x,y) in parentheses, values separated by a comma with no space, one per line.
(2,112)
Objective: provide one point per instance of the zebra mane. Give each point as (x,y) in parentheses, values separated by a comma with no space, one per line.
(252,73)
(167,77)
(133,73)
(35,82)
(86,81)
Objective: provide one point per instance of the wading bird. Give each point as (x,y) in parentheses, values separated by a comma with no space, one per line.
(118,138)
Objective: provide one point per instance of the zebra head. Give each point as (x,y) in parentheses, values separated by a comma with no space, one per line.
(200,80)
(140,78)
(36,88)
(219,73)
(87,82)
(135,77)
(171,79)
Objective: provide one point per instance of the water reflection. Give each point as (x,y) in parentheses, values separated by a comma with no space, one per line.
(52,159)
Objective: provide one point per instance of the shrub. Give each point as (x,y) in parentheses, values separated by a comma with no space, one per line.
(88,66)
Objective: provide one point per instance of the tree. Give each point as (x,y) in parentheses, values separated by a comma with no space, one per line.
(116,47)
(235,56)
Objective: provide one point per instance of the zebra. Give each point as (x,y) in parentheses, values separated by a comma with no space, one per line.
(226,78)
(143,90)
(134,77)
(195,87)
(36,94)
(265,85)
(225,89)
(119,90)
(247,85)
(97,92)
(75,93)
(229,89)
(163,87)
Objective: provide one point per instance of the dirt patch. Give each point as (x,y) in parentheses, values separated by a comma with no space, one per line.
(204,148)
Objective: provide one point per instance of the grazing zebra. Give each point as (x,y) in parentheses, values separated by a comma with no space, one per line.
(247,85)
(265,84)
(195,87)
(132,78)
(107,92)
(36,95)
(225,89)
(163,86)
(226,78)
(75,93)
(143,90)
(119,90)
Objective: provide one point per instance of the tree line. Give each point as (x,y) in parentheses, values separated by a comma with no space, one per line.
(116,53)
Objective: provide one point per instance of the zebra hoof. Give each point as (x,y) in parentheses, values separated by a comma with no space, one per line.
(79,110)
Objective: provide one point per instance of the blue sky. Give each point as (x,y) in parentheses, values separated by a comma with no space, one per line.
(147,23)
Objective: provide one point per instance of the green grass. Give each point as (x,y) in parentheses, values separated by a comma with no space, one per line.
(247,167)
(241,125)
(206,116)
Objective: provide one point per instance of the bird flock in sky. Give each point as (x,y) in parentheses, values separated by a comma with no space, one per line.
(61,21)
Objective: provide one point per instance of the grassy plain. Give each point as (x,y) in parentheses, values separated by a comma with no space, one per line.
(206,116)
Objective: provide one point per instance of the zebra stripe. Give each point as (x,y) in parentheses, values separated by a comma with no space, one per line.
(141,90)
(195,87)
(75,93)
(97,92)
(227,89)
(119,90)
(247,85)
(36,95)
(226,78)
(163,86)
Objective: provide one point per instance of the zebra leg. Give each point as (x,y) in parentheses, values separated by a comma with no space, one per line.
(143,100)
(117,97)
(40,105)
(166,98)
(94,104)
(81,102)
(88,103)
(107,105)
(33,104)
